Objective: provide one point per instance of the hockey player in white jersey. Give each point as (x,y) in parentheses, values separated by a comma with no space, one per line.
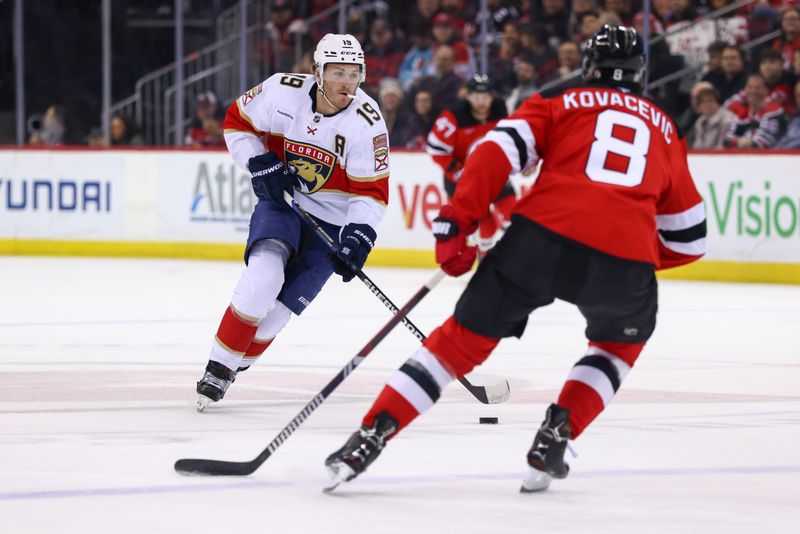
(322,138)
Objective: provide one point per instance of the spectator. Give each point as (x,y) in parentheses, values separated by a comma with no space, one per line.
(569,59)
(445,83)
(526,82)
(459,13)
(357,27)
(612,19)
(588,22)
(444,34)
(390,96)
(417,61)
(210,135)
(421,16)
(761,19)
(792,137)
(759,122)
(788,43)
(500,14)
(53,129)
(121,131)
(412,131)
(534,43)
(687,119)
(554,15)
(383,55)
(733,77)
(501,67)
(280,31)
(206,107)
(714,121)
(779,81)
(680,11)
(621,8)
(715,56)
(579,8)
(662,10)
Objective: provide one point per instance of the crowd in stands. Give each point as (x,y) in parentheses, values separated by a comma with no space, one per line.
(418,56)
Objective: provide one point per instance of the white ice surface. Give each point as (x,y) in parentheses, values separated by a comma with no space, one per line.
(98,360)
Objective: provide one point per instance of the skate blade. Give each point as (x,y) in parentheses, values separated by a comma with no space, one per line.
(535,481)
(340,472)
(201,403)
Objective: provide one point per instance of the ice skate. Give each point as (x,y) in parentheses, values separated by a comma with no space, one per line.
(546,457)
(214,384)
(359,451)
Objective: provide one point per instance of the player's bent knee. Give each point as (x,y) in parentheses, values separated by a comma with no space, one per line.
(274,322)
(458,348)
(261,281)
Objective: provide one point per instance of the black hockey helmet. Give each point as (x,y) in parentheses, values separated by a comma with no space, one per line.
(479,83)
(615,54)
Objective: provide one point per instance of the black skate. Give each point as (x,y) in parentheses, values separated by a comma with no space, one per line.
(214,384)
(546,457)
(360,450)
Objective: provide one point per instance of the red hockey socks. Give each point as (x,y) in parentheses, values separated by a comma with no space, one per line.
(594,380)
(458,348)
(412,389)
(236,331)
(254,351)
(450,351)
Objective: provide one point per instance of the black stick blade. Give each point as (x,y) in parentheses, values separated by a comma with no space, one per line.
(492,394)
(197,466)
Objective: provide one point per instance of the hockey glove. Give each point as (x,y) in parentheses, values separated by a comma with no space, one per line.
(452,251)
(356,242)
(270,177)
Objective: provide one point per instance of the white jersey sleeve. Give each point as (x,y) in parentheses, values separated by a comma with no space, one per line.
(249,119)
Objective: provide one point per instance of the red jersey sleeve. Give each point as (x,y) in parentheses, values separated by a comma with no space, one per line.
(680,217)
(508,148)
(442,140)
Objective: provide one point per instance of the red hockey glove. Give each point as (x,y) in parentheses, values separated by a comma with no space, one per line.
(452,252)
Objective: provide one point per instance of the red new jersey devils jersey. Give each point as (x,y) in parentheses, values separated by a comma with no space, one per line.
(454,133)
(614,174)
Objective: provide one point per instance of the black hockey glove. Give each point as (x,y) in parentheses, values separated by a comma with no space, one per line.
(356,242)
(270,177)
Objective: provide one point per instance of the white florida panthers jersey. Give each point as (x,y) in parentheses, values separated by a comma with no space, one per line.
(342,160)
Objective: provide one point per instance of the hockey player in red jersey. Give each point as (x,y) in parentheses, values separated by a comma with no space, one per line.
(450,140)
(323,137)
(613,203)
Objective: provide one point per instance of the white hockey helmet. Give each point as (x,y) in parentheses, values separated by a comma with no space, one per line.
(339,48)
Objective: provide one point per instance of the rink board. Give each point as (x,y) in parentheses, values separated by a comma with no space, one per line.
(196,204)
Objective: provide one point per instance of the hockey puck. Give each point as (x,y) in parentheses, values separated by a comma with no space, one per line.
(488,420)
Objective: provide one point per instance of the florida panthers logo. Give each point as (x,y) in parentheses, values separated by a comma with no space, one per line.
(309,173)
(312,164)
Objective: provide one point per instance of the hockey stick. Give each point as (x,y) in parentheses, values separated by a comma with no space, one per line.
(197,466)
(492,394)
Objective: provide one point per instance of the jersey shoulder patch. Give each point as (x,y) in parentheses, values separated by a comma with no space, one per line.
(380,150)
